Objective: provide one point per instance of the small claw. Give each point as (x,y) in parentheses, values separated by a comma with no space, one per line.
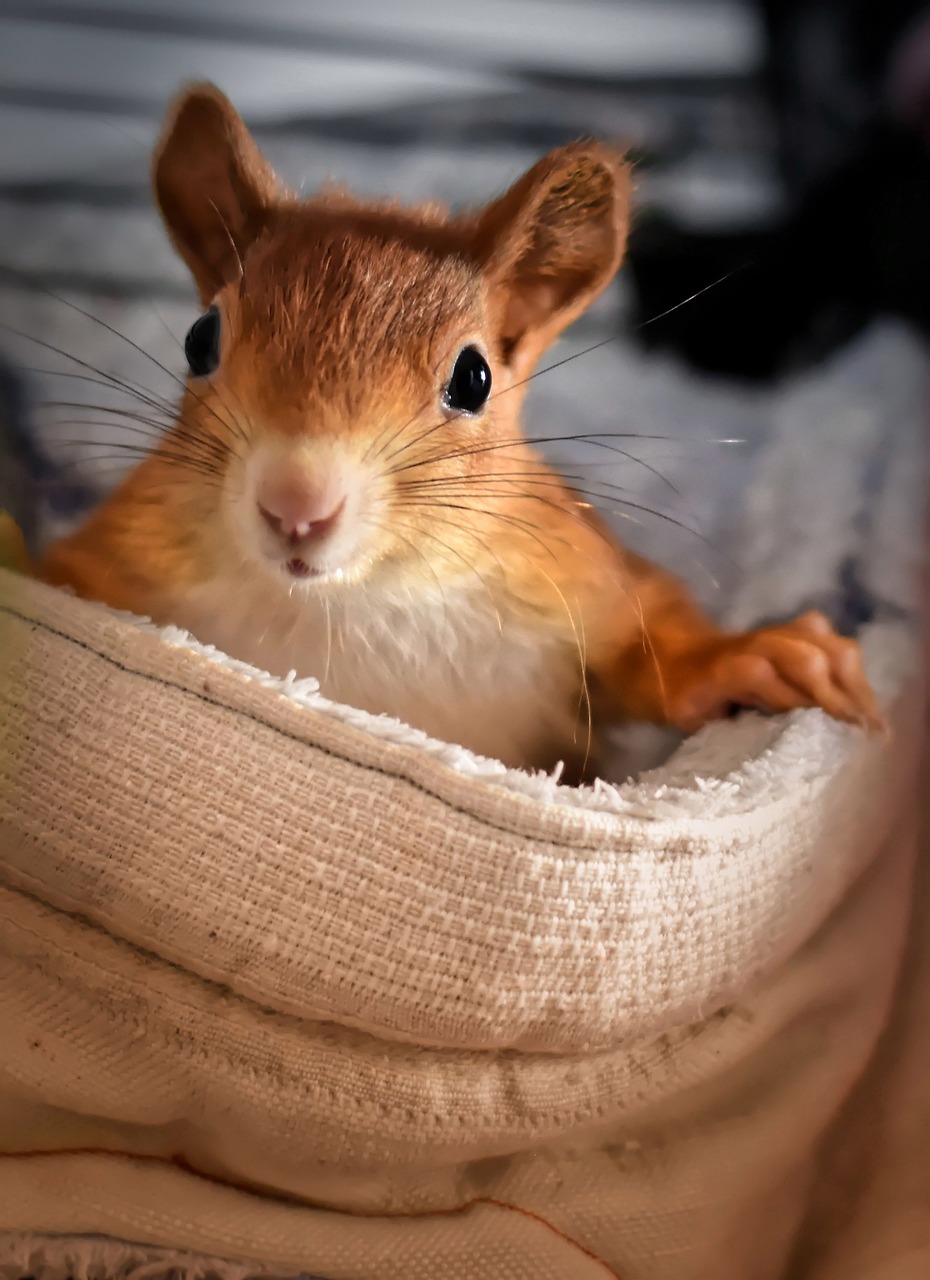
(798,664)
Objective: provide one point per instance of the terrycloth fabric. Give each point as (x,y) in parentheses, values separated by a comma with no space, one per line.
(286,986)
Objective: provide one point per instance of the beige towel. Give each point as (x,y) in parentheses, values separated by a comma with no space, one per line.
(284,985)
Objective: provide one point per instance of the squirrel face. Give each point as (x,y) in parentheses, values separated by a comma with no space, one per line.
(349,370)
(357,375)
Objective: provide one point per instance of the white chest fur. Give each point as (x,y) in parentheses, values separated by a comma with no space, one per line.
(445,663)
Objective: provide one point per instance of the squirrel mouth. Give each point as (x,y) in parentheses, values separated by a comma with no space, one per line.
(300,569)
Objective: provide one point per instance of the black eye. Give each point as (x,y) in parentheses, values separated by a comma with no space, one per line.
(202,344)
(470,384)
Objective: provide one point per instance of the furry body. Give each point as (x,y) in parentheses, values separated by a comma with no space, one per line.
(347,491)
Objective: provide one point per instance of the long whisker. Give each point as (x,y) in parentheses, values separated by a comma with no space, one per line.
(563,482)
(109,382)
(373,454)
(133,422)
(420,555)
(513,442)
(161,450)
(595,346)
(119,452)
(88,315)
(579,639)
(581,645)
(113,379)
(472,568)
(470,509)
(184,431)
(470,494)
(135,346)
(207,453)
(577,355)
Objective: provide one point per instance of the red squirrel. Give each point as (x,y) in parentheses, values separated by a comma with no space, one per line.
(347,492)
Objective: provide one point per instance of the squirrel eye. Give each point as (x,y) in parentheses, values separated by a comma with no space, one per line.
(202,344)
(470,384)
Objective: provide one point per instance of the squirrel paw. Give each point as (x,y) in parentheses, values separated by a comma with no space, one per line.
(803,663)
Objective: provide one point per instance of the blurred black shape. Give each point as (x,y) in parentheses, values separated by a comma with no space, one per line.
(849,87)
(31,484)
(20,463)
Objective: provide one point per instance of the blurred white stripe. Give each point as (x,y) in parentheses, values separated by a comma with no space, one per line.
(51,146)
(265,83)
(597,37)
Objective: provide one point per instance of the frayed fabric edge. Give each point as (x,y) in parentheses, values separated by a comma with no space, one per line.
(48,1257)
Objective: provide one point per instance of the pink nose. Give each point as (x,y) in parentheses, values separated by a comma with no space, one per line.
(299,514)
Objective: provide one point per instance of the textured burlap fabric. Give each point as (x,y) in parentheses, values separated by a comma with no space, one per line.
(283,985)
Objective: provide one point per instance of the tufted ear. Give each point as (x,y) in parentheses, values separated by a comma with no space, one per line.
(212,185)
(553,242)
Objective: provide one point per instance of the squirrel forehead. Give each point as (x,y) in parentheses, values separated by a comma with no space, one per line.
(388,288)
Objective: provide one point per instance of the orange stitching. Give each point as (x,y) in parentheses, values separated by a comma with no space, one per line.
(181,1162)
(528,1213)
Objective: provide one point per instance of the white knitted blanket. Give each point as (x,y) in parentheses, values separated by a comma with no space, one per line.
(288,990)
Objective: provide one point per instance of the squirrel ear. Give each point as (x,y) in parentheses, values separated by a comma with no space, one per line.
(553,242)
(212,185)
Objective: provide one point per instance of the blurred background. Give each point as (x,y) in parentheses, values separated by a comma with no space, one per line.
(781,148)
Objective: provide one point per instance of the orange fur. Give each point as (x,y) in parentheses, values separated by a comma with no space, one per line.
(341,321)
